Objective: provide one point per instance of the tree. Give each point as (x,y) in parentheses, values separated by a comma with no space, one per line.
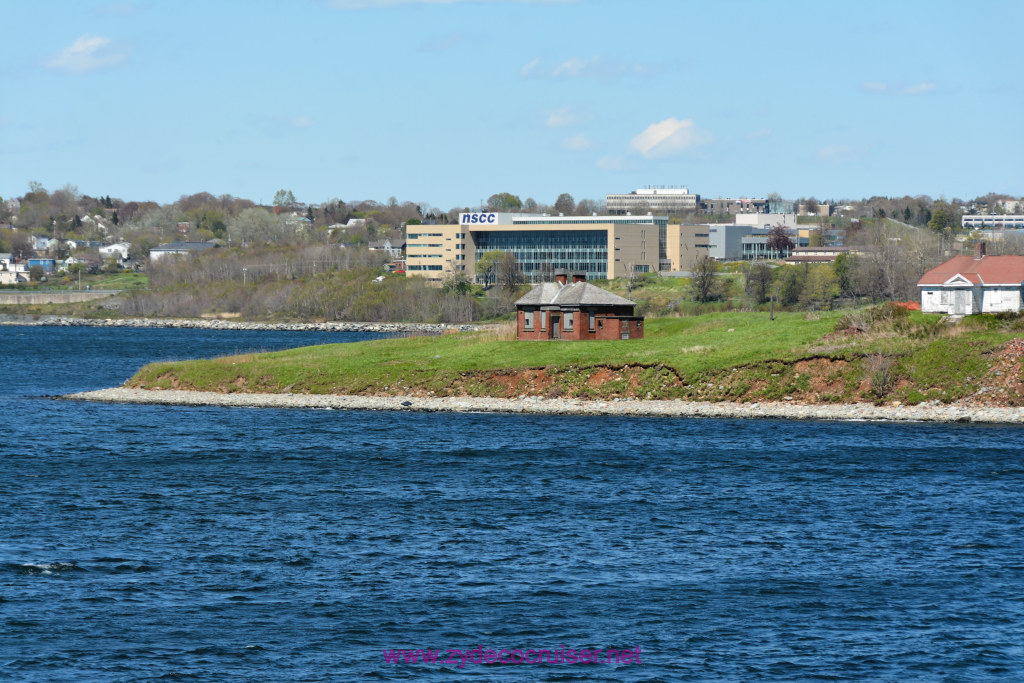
(945,218)
(509,275)
(255,226)
(586,207)
(759,282)
(283,199)
(791,285)
(565,204)
(704,282)
(843,268)
(456,283)
(35,273)
(504,201)
(486,264)
(820,286)
(530,205)
(779,240)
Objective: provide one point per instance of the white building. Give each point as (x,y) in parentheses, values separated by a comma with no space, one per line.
(659,201)
(966,285)
(999,221)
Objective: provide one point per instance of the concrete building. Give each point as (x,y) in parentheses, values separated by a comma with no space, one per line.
(992,221)
(767,220)
(685,244)
(178,249)
(734,206)
(559,310)
(661,201)
(598,246)
(966,285)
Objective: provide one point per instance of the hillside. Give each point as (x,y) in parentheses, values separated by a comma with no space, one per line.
(879,355)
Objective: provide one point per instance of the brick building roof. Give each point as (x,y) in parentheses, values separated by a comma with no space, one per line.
(576,294)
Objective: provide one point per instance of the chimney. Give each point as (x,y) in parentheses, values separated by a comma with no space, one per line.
(560,277)
(579,277)
(979,251)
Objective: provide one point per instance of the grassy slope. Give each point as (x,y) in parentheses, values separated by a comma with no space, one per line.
(724,356)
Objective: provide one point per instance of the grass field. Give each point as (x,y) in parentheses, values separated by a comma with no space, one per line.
(722,356)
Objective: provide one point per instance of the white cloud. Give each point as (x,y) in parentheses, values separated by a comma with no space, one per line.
(884,88)
(529,67)
(584,67)
(575,67)
(301,122)
(578,142)
(837,154)
(560,118)
(669,138)
(610,163)
(88,53)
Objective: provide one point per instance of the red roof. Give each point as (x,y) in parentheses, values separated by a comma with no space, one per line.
(990,270)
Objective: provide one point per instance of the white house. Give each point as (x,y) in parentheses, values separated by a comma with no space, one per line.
(178,249)
(12,273)
(118,251)
(966,285)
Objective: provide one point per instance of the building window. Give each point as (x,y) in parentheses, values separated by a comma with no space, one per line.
(543,320)
(527,320)
(568,318)
(591,316)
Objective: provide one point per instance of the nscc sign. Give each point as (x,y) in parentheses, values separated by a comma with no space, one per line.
(478,218)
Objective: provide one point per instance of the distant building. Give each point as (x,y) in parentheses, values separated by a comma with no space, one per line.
(685,245)
(178,249)
(118,251)
(992,221)
(559,310)
(819,254)
(734,206)
(660,201)
(966,285)
(598,246)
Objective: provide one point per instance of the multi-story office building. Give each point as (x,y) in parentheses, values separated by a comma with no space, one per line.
(981,221)
(598,246)
(660,201)
(734,206)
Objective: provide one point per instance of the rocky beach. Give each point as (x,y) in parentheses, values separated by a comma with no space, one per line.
(926,412)
(233,325)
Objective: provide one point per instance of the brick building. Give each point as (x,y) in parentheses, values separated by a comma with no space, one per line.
(574,311)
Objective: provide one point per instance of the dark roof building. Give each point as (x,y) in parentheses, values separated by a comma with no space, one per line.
(560,310)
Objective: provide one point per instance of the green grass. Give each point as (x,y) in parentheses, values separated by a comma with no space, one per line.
(723,356)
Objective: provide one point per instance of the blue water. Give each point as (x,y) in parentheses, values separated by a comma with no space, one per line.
(143,542)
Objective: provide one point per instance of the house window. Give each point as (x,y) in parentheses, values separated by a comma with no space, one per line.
(527,320)
(543,320)
(568,318)
(591,316)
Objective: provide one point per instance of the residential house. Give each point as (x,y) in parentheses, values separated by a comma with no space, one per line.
(394,251)
(559,310)
(11,273)
(178,249)
(966,285)
(117,251)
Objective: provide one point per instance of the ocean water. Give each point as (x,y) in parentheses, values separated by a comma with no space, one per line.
(141,542)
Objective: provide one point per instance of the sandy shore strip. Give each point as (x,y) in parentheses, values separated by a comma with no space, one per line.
(561,406)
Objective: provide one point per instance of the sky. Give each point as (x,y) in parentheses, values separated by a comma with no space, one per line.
(446,102)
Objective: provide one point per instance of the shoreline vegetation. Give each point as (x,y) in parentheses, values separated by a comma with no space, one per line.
(878,363)
(227,324)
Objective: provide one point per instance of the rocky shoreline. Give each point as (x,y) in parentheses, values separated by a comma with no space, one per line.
(930,412)
(233,325)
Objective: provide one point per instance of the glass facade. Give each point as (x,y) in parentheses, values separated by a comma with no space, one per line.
(542,252)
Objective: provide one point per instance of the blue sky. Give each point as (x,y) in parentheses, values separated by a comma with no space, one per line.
(447,102)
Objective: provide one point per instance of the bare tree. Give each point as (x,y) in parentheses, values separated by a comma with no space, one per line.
(565,204)
(509,275)
(704,282)
(759,282)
